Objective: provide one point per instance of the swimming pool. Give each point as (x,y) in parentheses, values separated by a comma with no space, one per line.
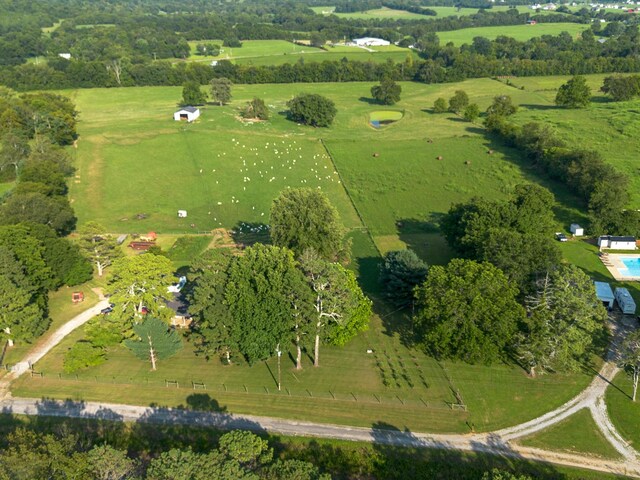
(632,267)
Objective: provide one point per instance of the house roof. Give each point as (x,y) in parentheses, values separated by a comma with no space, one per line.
(603,291)
(188,109)
(620,239)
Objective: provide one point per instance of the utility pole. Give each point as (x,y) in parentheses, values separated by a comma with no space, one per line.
(279,352)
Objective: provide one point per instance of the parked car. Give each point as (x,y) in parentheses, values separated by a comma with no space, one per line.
(106,311)
(561,237)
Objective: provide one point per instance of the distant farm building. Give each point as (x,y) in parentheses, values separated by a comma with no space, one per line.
(617,243)
(604,294)
(187,113)
(149,237)
(66,56)
(370,42)
(576,229)
(625,301)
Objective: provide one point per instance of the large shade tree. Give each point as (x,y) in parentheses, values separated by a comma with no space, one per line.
(340,308)
(563,319)
(467,311)
(138,285)
(574,94)
(258,294)
(387,93)
(98,246)
(312,109)
(303,218)
(207,283)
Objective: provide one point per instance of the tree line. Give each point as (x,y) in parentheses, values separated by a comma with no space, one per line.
(604,189)
(547,55)
(35,215)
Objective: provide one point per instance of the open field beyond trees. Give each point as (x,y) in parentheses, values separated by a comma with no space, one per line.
(276,52)
(518,32)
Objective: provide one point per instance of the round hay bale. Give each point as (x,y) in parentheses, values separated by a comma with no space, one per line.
(439,157)
(376,155)
(429,140)
(490,152)
(467,162)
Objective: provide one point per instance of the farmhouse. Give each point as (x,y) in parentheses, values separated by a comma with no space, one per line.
(370,42)
(625,301)
(187,113)
(617,243)
(604,294)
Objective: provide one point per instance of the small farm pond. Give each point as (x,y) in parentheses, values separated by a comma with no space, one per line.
(380,118)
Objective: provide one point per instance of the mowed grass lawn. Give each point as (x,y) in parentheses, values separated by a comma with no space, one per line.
(393,385)
(624,413)
(576,434)
(518,32)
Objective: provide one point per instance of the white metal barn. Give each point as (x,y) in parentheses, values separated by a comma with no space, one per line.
(605,294)
(576,229)
(370,42)
(617,243)
(625,301)
(187,113)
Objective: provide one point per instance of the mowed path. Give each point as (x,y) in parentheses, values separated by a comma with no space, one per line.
(498,442)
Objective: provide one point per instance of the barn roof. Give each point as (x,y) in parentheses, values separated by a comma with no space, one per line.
(603,291)
(189,109)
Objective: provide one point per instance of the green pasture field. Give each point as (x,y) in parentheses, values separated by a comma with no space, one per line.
(609,127)
(133,158)
(253,48)
(577,434)
(624,413)
(277,52)
(518,32)
(381,13)
(401,14)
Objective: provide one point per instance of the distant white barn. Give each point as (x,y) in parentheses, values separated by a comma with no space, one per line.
(66,56)
(370,42)
(617,243)
(187,113)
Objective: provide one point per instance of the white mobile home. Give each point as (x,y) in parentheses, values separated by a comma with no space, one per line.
(577,230)
(604,294)
(625,301)
(187,113)
(617,243)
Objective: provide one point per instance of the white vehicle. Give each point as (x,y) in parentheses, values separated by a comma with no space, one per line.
(561,237)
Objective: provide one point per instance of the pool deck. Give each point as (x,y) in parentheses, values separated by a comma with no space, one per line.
(613,262)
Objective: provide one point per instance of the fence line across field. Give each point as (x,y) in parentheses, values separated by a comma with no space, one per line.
(375,398)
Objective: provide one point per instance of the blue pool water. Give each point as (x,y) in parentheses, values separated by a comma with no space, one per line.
(633,267)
